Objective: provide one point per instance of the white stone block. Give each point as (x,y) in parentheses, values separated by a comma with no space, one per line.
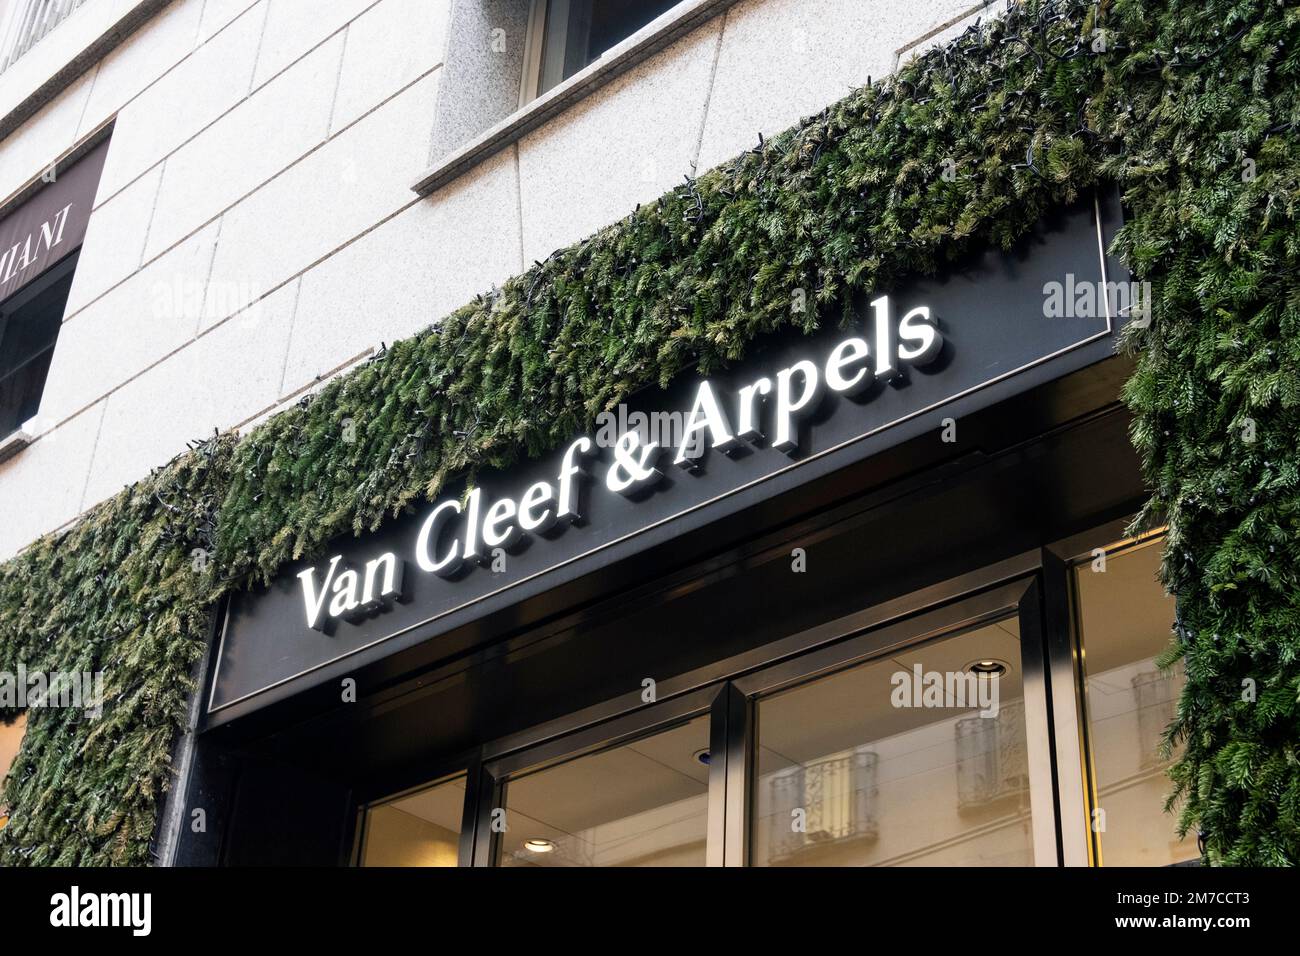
(931,38)
(131,327)
(58,48)
(215,382)
(29,150)
(41,487)
(114,243)
(218,14)
(148,53)
(259,138)
(627,143)
(388,47)
(199,89)
(408,273)
(783,60)
(295,26)
(332,196)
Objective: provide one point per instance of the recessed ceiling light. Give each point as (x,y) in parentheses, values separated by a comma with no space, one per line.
(988,667)
(702,756)
(539,846)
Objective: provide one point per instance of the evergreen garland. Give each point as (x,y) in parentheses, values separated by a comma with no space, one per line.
(1205,107)
(126,593)
(1167,99)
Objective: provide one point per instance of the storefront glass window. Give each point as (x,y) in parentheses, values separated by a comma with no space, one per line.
(918,759)
(419,829)
(640,804)
(1125,620)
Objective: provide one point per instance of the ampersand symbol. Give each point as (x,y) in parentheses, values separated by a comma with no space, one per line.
(629,468)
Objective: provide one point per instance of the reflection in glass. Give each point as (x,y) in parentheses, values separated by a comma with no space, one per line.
(912,760)
(579,32)
(640,804)
(420,829)
(1125,618)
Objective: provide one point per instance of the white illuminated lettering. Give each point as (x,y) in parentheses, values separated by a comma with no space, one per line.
(346,594)
(470,552)
(845,354)
(883,335)
(770,407)
(567,510)
(918,328)
(706,415)
(494,535)
(749,406)
(538,494)
(315,600)
(632,468)
(392,580)
(788,406)
(427,541)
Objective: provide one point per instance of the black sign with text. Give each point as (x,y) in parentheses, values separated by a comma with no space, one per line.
(51,224)
(796,408)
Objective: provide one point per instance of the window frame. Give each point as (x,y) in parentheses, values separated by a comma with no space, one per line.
(536,44)
(466,844)
(557,751)
(63,270)
(727,693)
(460,155)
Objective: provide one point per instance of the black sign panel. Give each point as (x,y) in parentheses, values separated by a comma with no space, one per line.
(51,224)
(1005,321)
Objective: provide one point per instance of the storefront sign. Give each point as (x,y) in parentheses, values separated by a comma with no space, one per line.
(800,407)
(51,224)
(767,410)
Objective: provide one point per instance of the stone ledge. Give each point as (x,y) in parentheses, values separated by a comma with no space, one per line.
(633,51)
(14,442)
(78,63)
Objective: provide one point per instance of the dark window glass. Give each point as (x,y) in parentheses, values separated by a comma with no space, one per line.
(578,32)
(29,327)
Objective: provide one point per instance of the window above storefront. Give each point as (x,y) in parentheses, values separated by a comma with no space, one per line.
(569,35)
(29,327)
(24,23)
(40,240)
(513,65)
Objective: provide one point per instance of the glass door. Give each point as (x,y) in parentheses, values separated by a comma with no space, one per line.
(922,743)
(633,791)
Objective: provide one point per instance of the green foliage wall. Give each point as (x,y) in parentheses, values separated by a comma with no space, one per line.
(1203,116)
(1169,100)
(122,594)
